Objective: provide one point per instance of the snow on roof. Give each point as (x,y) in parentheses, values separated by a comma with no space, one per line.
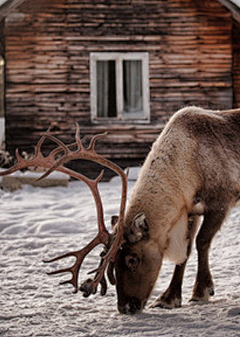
(2,2)
(236,2)
(6,6)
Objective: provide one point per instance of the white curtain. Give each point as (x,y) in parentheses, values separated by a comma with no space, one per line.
(132,89)
(102,88)
(132,79)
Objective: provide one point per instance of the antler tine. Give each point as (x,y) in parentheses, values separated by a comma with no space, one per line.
(77,136)
(37,160)
(92,141)
(80,153)
(15,167)
(59,142)
(41,141)
(91,146)
(75,268)
(23,163)
(61,160)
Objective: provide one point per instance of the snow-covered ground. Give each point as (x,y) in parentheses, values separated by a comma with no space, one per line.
(38,223)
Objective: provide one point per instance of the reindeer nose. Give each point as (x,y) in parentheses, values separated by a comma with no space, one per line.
(132,306)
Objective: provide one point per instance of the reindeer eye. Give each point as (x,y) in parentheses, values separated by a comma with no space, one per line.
(132,261)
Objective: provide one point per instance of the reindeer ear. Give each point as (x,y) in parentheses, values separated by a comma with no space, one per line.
(114,220)
(139,229)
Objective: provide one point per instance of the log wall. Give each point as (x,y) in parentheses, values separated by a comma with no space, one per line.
(236,65)
(47,51)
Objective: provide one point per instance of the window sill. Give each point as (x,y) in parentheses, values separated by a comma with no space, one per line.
(117,121)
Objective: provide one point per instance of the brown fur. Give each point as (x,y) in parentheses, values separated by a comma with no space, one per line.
(193,169)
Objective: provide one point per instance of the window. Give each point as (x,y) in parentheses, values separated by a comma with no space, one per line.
(119,87)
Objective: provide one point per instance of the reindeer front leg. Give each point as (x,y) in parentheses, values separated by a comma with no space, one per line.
(172,297)
(204,287)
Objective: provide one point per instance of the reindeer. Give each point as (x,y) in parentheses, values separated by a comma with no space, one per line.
(188,183)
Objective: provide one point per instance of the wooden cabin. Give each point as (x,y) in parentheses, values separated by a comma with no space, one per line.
(119,66)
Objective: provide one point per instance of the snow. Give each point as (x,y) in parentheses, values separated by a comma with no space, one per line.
(36,175)
(39,223)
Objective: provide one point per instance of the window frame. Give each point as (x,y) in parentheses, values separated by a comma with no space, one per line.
(119,57)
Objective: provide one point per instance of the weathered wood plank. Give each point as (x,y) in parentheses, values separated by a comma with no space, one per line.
(47,47)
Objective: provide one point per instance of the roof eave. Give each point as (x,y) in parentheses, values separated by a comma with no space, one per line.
(8,6)
(234,9)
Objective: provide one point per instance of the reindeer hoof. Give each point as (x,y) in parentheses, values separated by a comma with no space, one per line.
(161,303)
(211,292)
(203,296)
(87,288)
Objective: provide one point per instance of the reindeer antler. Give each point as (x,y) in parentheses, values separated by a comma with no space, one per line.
(52,163)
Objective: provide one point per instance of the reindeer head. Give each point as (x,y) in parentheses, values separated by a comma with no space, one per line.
(137,266)
(133,256)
